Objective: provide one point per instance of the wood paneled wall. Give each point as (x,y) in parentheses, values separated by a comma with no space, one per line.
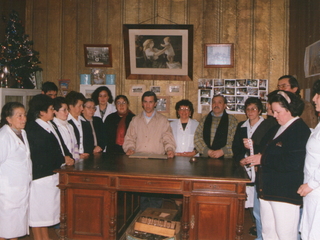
(304,30)
(258,28)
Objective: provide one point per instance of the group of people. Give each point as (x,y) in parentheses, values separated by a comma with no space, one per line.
(279,153)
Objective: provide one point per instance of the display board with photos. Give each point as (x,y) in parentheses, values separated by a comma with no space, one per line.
(236,92)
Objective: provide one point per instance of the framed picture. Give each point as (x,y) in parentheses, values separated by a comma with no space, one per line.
(218,55)
(312,60)
(137,90)
(174,90)
(158,52)
(98,55)
(163,104)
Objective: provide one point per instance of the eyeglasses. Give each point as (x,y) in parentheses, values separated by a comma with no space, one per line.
(251,109)
(184,109)
(92,108)
(121,103)
(282,86)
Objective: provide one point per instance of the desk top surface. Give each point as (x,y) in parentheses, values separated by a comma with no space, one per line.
(178,167)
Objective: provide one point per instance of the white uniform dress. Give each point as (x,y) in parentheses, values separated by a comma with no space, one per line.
(310,222)
(110,109)
(15,178)
(44,193)
(184,138)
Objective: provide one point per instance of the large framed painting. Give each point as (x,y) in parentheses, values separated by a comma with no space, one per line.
(158,51)
(312,60)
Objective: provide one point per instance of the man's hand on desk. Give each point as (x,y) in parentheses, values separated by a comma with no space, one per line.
(68,160)
(130,152)
(215,153)
(170,154)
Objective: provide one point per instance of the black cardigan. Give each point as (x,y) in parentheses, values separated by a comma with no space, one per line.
(46,154)
(238,148)
(88,141)
(281,171)
(111,124)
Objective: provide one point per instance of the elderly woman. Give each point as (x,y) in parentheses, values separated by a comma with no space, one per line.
(15,172)
(47,154)
(117,123)
(310,189)
(183,129)
(103,99)
(93,141)
(281,168)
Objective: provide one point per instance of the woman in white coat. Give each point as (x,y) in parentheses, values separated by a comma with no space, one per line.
(183,129)
(310,190)
(15,172)
(103,99)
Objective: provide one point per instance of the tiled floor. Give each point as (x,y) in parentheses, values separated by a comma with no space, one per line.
(246,236)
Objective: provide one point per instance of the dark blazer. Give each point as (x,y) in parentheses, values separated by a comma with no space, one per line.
(88,141)
(46,154)
(280,173)
(238,148)
(111,124)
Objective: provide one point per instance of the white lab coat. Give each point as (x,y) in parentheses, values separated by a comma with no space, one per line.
(310,220)
(110,109)
(184,138)
(15,179)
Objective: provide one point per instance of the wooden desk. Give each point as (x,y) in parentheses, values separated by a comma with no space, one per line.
(98,195)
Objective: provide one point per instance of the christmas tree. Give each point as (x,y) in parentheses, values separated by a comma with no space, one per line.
(17,57)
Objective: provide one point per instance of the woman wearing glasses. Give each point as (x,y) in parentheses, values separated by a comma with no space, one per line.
(117,123)
(93,141)
(183,129)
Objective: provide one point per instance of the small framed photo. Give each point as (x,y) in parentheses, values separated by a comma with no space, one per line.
(241,82)
(231,107)
(230,83)
(205,101)
(252,82)
(218,82)
(205,93)
(174,90)
(252,91)
(98,55)
(218,91)
(163,104)
(155,89)
(263,84)
(241,91)
(230,99)
(218,55)
(137,90)
(240,100)
(263,95)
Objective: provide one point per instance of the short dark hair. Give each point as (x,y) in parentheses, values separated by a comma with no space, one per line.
(296,105)
(87,100)
(121,96)
(73,97)
(8,111)
(57,103)
(256,101)
(184,102)
(316,87)
(95,94)
(149,94)
(219,95)
(38,103)
(49,86)
(271,94)
(292,81)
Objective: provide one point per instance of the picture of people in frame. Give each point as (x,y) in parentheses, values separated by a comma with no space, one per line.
(241,91)
(240,108)
(263,95)
(241,82)
(252,82)
(252,91)
(155,89)
(218,82)
(231,107)
(240,100)
(230,83)
(218,91)
(262,84)
(230,99)
(229,91)
(205,100)
(205,93)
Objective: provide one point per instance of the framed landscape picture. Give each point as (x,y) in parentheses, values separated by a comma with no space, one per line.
(158,52)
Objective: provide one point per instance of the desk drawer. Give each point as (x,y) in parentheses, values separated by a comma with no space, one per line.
(213,187)
(150,184)
(98,180)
